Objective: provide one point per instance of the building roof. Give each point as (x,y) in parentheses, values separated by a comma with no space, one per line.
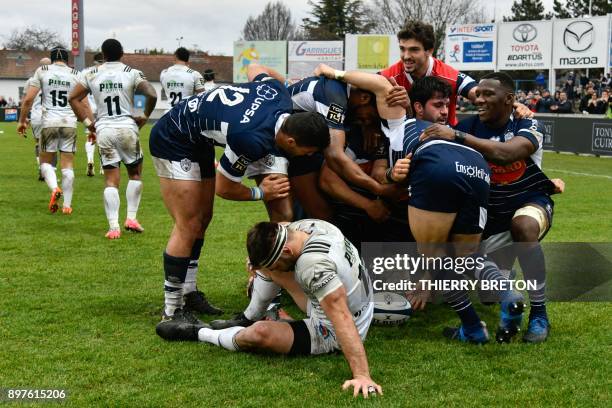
(22,64)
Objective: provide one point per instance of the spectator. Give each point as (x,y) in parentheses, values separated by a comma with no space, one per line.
(533,99)
(586,98)
(540,80)
(543,105)
(594,105)
(465,104)
(563,106)
(11,103)
(557,96)
(569,90)
(602,104)
(209,78)
(3,102)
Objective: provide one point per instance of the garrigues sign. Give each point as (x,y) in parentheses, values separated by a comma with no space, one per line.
(580,43)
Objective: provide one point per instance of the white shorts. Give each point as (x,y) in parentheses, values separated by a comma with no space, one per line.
(36,129)
(179,170)
(118,145)
(323,338)
(270,164)
(54,139)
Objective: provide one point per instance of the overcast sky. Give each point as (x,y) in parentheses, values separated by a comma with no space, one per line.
(211,24)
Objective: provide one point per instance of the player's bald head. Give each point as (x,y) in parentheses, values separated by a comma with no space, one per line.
(45,61)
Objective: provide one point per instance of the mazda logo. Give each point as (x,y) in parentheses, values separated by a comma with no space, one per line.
(578,36)
(524,33)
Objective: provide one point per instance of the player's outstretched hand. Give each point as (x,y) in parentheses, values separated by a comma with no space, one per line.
(140,121)
(377,211)
(398,95)
(21,129)
(559,185)
(438,130)
(522,111)
(325,70)
(275,186)
(363,385)
(400,170)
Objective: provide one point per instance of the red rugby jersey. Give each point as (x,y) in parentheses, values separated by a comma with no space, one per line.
(460,83)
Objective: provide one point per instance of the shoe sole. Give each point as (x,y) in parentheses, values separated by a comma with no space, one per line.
(128,228)
(53,205)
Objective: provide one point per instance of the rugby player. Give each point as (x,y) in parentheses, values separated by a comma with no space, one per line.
(58,133)
(90,146)
(179,81)
(113,85)
(446,204)
(323,272)
(36,121)
(520,207)
(253,120)
(209,79)
(416,44)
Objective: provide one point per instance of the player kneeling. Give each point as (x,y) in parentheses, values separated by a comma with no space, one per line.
(322,271)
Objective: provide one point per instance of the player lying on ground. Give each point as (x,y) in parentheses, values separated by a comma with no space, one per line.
(58,132)
(323,273)
(520,207)
(254,122)
(446,204)
(113,85)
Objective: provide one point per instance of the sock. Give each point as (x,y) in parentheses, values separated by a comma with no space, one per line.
(37,152)
(490,272)
(111,206)
(175,270)
(133,193)
(222,338)
(89,150)
(49,174)
(192,271)
(460,302)
(264,291)
(533,265)
(67,183)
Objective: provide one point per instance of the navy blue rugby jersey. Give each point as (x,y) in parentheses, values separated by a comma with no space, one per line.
(516,184)
(329,97)
(245,117)
(403,136)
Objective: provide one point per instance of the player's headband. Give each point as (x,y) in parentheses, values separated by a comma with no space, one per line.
(277,249)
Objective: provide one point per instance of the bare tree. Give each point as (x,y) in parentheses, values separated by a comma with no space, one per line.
(389,16)
(274,23)
(33,38)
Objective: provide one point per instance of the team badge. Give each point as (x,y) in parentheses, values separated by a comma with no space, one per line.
(186,165)
(269,160)
(241,164)
(335,114)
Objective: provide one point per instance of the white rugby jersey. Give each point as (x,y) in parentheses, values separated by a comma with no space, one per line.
(180,82)
(328,261)
(90,98)
(36,111)
(112,85)
(55,82)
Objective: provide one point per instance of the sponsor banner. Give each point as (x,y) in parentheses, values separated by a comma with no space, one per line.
(10,115)
(602,137)
(610,56)
(272,54)
(580,42)
(524,45)
(304,56)
(371,53)
(548,127)
(471,46)
(75,39)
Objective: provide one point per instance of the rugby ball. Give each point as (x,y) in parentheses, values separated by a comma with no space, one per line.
(391,308)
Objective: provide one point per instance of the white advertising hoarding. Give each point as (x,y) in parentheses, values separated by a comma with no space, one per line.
(370,52)
(524,45)
(581,42)
(471,46)
(304,56)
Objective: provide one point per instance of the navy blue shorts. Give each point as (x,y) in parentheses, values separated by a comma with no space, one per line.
(451,178)
(167,142)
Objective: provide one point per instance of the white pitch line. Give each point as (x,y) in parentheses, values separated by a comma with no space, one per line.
(579,174)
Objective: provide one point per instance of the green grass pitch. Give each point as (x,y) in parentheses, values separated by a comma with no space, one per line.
(78,312)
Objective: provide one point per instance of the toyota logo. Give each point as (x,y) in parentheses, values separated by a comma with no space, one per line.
(524,33)
(578,36)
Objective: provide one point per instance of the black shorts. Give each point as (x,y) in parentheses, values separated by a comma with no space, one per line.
(451,178)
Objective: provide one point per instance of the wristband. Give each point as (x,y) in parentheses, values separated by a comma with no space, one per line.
(388,175)
(87,122)
(339,74)
(256,194)
(459,137)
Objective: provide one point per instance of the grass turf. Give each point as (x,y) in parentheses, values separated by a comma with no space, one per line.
(78,312)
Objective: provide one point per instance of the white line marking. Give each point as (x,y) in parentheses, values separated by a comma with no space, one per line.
(579,174)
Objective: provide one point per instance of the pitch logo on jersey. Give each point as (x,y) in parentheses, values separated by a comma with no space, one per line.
(266,92)
(173,84)
(578,36)
(524,33)
(58,82)
(109,85)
